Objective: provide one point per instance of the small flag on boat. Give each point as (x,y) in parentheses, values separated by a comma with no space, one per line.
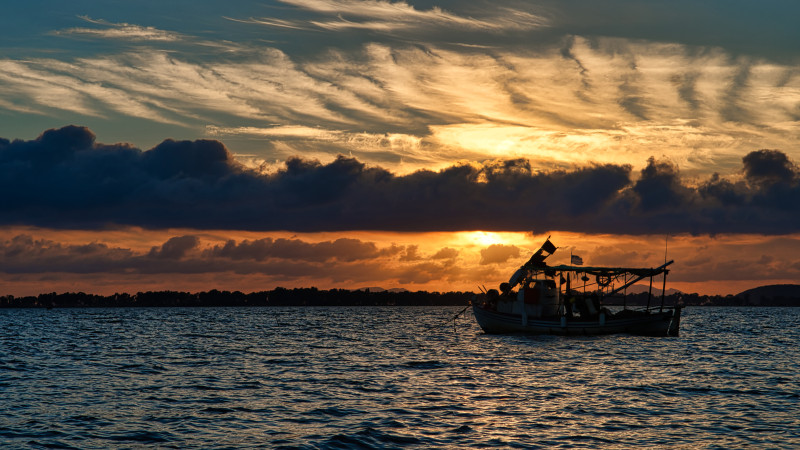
(576,260)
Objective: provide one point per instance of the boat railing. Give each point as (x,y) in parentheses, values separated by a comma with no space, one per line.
(608,283)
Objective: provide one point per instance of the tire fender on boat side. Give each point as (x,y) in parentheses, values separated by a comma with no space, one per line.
(602,280)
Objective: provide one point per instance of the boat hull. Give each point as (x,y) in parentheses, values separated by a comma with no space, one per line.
(664,323)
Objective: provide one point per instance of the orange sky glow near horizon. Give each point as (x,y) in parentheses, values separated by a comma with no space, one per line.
(133,260)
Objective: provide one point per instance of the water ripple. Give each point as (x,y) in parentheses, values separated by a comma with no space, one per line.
(328,378)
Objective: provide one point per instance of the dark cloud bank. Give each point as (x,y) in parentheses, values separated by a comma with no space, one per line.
(64,179)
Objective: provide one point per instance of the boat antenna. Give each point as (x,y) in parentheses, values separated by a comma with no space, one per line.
(666,238)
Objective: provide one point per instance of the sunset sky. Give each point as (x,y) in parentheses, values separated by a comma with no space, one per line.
(245,145)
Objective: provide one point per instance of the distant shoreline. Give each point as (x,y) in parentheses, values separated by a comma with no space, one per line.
(343,297)
(275,297)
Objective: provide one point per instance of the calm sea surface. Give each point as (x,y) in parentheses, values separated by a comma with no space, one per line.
(390,377)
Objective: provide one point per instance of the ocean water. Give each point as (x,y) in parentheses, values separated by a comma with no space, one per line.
(390,377)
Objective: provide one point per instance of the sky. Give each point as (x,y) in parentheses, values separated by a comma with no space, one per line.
(245,145)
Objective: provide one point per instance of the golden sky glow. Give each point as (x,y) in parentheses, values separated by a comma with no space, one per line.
(128,260)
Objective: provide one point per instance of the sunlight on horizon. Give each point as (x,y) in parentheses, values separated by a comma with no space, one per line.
(487,238)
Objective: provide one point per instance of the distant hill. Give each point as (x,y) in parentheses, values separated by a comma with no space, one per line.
(640,288)
(371,289)
(772,291)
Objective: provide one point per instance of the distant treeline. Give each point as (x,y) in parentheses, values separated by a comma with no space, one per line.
(342,297)
(277,297)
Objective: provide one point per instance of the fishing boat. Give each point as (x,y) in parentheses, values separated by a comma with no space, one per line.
(545,302)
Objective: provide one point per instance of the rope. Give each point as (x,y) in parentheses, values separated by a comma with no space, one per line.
(448,320)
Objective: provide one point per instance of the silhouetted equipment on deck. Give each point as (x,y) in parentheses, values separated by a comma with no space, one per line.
(543,306)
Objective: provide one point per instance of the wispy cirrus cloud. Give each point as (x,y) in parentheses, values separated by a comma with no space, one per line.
(386,16)
(159,87)
(122,31)
(320,142)
(47,85)
(601,100)
(272,22)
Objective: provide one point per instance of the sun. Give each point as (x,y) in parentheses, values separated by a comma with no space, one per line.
(485,238)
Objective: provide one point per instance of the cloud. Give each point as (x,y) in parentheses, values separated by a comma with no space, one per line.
(175,248)
(659,186)
(411,254)
(343,249)
(25,254)
(446,253)
(278,23)
(768,167)
(65,179)
(499,253)
(396,104)
(314,139)
(123,31)
(390,17)
(273,260)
